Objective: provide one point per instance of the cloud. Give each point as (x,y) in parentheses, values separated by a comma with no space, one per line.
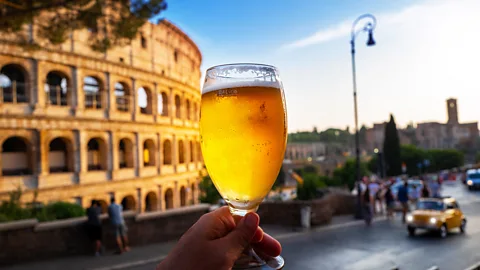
(343,29)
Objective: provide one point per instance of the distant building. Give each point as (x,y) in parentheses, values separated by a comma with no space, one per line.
(374,137)
(304,151)
(434,135)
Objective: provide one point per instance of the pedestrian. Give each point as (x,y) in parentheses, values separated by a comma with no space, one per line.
(374,187)
(435,187)
(94,226)
(389,201)
(425,191)
(402,197)
(367,205)
(214,242)
(414,194)
(116,218)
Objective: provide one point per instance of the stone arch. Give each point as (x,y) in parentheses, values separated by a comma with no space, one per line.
(122,96)
(167,152)
(187,108)
(129,203)
(195,111)
(60,155)
(169,199)
(145,100)
(192,191)
(13,84)
(97,154)
(125,153)
(17,156)
(163,104)
(149,157)
(151,201)
(93,89)
(192,151)
(178,107)
(57,88)
(199,152)
(183,196)
(181,152)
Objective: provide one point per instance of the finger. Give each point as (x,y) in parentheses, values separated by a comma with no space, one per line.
(258,236)
(268,246)
(238,239)
(215,224)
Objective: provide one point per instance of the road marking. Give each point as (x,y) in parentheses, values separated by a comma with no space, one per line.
(132,264)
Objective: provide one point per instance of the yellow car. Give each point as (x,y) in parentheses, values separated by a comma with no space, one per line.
(436,214)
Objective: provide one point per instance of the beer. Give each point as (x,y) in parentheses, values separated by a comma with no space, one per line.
(243,131)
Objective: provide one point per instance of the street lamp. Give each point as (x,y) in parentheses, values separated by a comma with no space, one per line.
(369,26)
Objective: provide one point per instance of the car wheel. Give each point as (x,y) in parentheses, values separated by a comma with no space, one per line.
(463,226)
(443,231)
(411,231)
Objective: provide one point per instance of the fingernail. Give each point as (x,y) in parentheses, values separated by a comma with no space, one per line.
(251,220)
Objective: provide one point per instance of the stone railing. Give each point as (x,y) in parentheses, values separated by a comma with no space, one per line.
(322,210)
(28,240)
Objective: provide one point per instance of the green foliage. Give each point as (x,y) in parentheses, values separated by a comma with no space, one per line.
(445,159)
(12,210)
(439,159)
(372,164)
(412,155)
(331,181)
(346,174)
(106,28)
(310,169)
(329,135)
(308,190)
(391,149)
(209,193)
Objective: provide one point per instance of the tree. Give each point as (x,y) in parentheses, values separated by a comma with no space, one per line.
(412,156)
(391,149)
(362,135)
(106,28)
(308,190)
(445,159)
(280,179)
(209,193)
(346,174)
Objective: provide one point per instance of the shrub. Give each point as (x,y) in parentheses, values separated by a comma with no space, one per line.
(61,210)
(209,193)
(309,189)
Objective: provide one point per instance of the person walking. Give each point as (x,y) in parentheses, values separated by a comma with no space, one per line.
(402,197)
(94,225)
(389,201)
(435,187)
(116,218)
(425,191)
(374,188)
(367,205)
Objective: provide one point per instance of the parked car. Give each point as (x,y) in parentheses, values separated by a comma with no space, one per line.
(436,214)
(473,178)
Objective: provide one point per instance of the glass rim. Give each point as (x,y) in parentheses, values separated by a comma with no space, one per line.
(207,73)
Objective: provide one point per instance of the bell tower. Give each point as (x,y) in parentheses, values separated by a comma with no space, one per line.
(452,111)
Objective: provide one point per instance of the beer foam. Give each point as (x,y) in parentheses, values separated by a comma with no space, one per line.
(239,84)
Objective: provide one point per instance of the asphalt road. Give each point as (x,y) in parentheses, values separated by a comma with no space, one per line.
(385,244)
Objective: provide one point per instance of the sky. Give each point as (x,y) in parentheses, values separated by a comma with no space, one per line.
(426,52)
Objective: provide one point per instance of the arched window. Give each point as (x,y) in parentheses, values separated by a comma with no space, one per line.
(181,152)
(16,157)
(145,100)
(178,107)
(163,104)
(151,202)
(169,199)
(97,155)
(122,97)
(91,89)
(149,153)
(57,88)
(195,111)
(193,192)
(187,108)
(60,155)
(183,196)
(128,203)
(13,86)
(175,56)
(167,152)
(125,153)
(192,150)
(199,152)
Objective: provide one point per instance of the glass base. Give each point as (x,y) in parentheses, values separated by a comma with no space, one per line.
(250,260)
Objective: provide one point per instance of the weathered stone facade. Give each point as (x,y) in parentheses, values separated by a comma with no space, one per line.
(77,125)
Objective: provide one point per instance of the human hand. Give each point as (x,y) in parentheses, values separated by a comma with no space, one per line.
(215,242)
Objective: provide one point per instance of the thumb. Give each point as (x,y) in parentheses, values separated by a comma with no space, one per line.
(240,237)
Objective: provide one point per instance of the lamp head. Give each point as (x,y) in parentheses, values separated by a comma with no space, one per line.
(370,41)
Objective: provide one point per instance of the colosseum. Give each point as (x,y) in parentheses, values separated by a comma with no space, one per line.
(78,125)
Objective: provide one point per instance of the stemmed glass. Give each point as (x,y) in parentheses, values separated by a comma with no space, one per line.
(243,128)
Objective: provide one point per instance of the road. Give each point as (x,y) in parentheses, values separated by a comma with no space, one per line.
(385,244)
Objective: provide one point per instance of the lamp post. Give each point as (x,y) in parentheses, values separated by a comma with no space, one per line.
(369,26)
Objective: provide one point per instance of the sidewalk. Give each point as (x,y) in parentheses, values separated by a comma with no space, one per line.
(149,254)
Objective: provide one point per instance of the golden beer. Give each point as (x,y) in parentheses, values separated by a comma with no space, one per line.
(243,131)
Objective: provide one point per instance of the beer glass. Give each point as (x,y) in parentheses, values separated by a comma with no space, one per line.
(243,129)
